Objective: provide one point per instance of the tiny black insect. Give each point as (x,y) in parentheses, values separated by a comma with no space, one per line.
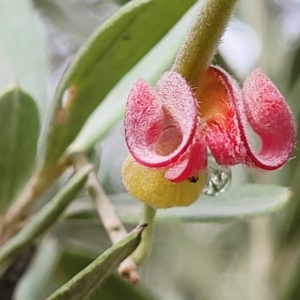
(193,179)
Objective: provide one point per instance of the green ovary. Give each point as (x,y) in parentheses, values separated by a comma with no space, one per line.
(151,186)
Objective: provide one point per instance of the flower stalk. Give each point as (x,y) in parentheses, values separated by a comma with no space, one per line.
(203,38)
(143,250)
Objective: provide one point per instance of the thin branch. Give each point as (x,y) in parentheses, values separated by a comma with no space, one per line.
(110,220)
(10,223)
(39,182)
(106,211)
(46,216)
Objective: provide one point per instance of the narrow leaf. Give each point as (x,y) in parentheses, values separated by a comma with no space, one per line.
(46,216)
(85,282)
(239,202)
(19,131)
(110,110)
(111,52)
(22,50)
(44,277)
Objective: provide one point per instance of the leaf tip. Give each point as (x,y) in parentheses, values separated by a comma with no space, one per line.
(140,228)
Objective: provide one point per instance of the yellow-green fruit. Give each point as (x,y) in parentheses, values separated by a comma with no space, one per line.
(151,186)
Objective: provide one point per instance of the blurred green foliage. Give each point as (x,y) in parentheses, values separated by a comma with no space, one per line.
(252,260)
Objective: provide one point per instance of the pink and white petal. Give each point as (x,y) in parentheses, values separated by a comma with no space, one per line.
(179,102)
(191,162)
(216,94)
(143,120)
(270,118)
(150,113)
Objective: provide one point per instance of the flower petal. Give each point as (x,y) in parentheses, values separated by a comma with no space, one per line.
(156,118)
(270,117)
(191,162)
(227,111)
(216,94)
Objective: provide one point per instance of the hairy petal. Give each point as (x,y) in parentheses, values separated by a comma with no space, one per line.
(143,120)
(228,111)
(217,93)
(191,162)
(150,114)
(270,117)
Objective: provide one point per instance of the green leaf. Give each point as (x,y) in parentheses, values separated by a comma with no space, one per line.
(57,262)
(239,202)
(85,282)
(46,216)
(19,131)
(110,111)
(112,288)
(22,50)
(111,52)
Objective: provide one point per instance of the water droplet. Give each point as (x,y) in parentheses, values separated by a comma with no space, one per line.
(218,180)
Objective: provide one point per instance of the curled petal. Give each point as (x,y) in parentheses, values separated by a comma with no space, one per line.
(156,119)
(270,117)
(216,94)
(191,162)
(261,105)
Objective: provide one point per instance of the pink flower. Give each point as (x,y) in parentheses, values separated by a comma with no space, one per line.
(170,127)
